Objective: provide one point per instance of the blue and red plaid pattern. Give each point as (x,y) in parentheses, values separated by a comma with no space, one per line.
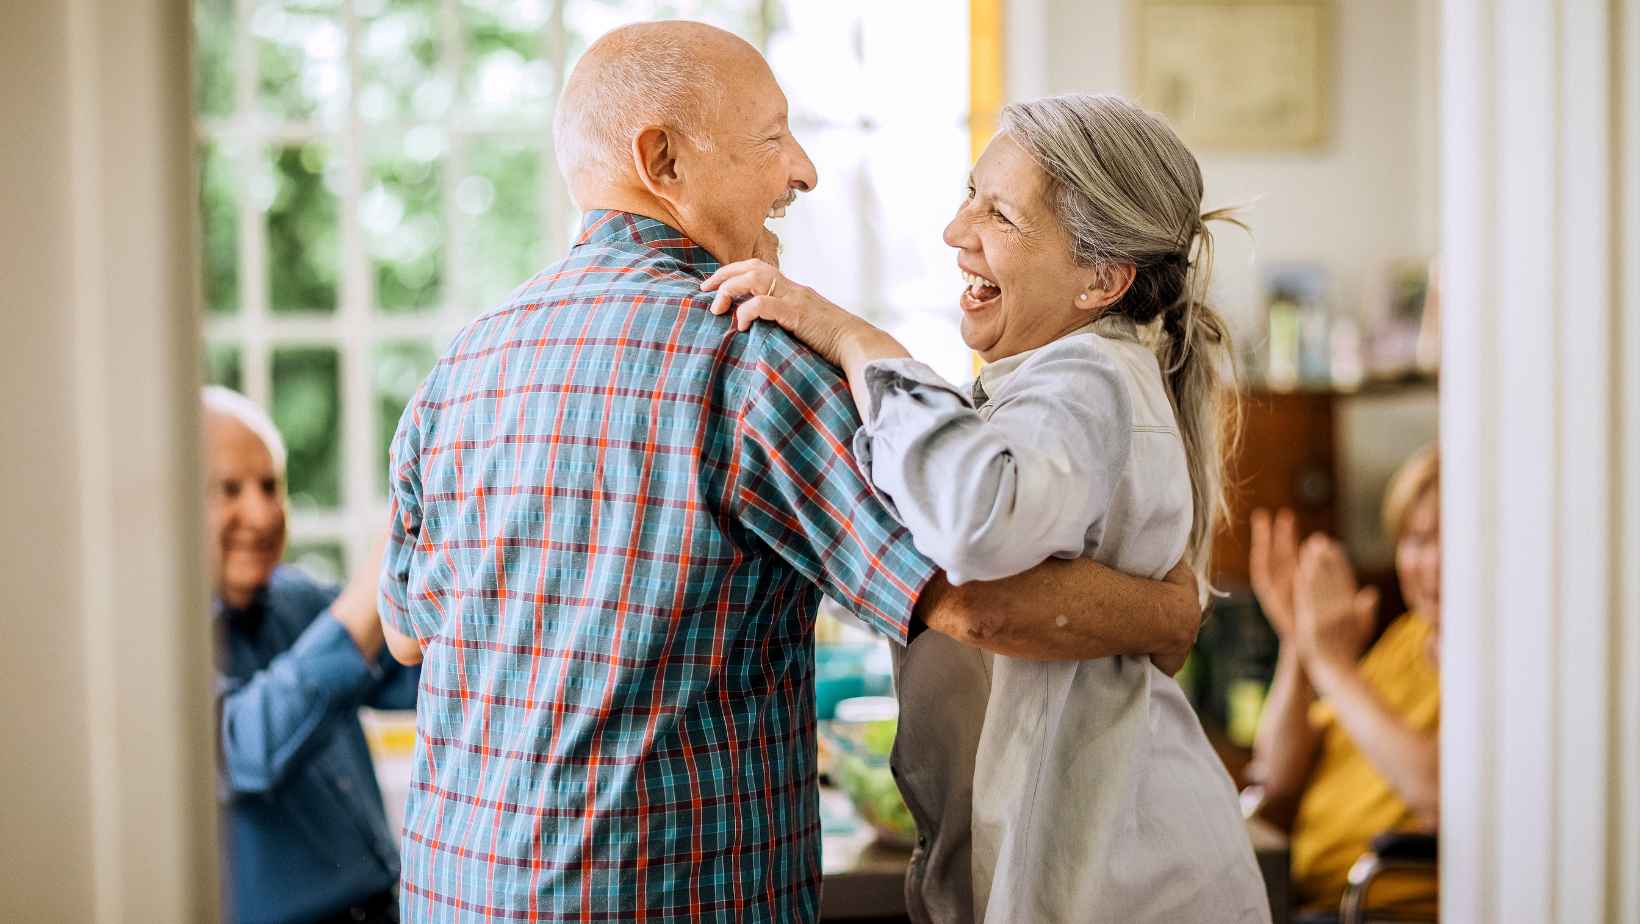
(612,519)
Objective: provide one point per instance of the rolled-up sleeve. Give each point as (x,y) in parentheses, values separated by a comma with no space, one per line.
(269,721)
(404,523)
(801,492)
(987,498)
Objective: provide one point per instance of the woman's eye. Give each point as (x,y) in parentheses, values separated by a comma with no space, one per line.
(970,192)
(1001,217)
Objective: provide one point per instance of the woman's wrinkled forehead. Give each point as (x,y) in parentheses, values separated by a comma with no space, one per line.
(1006,172)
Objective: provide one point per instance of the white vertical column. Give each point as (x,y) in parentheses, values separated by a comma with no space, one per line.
(1624,769)
(1539,654)
(1468,415)
(105,674)
(1585,398)
(355,316)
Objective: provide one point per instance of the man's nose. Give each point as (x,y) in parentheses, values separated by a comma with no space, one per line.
(803,175)
(260,510)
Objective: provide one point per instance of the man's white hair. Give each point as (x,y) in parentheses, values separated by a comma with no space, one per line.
(635,76)
(231,403)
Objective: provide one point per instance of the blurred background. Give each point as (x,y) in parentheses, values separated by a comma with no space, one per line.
(304,199)
(374,173)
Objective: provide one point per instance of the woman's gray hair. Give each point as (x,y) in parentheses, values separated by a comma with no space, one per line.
(230,403)
(1127,190)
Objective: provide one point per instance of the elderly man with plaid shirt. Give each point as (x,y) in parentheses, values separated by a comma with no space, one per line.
(613,519)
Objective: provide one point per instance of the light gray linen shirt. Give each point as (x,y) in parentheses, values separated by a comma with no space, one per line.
(1051,791)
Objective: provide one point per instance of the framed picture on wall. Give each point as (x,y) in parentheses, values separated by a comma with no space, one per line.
(1237,75)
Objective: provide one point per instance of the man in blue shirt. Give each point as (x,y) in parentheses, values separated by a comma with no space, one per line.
(306,834)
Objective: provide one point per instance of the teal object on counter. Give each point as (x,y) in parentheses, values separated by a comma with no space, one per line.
(843,672)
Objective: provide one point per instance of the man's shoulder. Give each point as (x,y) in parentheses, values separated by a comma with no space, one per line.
(298,596)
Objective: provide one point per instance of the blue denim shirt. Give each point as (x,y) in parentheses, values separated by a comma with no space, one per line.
(302,816)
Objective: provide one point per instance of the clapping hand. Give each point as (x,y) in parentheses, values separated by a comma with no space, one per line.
(1333,617)
(1273,563)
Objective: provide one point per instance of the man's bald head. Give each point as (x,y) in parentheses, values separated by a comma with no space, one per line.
(672,74)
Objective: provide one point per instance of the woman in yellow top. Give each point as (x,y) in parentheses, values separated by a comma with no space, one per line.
(1348,745)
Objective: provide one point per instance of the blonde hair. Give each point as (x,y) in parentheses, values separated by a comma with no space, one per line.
(1127,190)
(1417,476)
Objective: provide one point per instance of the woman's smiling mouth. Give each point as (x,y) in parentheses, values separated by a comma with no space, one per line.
(979,293)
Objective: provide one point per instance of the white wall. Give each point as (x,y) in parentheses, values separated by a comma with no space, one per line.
(1368,197)
(106,774)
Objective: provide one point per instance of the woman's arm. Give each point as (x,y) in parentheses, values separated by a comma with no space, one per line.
(846,340)
(1333,622)
(1285,747)
(1284,750)
(984,499)
(1408,758)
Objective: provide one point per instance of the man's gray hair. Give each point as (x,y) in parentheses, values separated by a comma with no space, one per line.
(226,401)
(642,74)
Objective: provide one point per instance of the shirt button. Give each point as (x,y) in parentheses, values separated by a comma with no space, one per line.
(357,914)
(345,785)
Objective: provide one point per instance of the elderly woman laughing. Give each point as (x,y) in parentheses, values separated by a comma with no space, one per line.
(1083,790)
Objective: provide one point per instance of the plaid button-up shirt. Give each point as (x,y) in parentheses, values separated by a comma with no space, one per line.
(612,519)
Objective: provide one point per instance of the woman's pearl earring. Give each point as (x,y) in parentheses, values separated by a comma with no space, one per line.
(1083,297)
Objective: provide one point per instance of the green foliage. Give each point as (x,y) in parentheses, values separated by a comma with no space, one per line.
(223,366)
(304,249)
(400,368)
(402,219)
(307,410)
(219,229)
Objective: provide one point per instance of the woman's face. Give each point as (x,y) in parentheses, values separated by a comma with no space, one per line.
(1418,557)
(1020,280)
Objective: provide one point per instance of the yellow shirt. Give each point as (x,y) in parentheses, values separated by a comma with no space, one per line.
(1348,802)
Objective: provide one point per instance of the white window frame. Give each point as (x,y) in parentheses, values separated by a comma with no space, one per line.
(356,328)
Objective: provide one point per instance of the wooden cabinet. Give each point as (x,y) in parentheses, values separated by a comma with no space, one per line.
(1287,457)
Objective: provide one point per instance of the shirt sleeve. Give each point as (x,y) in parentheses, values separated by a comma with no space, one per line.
(274,718)
(800,491)
(990,498)
(404,522)
(397,687)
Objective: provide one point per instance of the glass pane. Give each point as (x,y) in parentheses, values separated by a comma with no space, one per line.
(500,200)
(504,69)
(213,57)
(307,410)
(400,369)
(323,560)
(223,366)
(301,56)
(403,224)
(304,247)
(219,228)
(398,57)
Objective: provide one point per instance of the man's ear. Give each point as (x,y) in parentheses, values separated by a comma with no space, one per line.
(655,158)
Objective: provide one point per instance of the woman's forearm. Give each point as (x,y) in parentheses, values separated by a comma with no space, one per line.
(859,349)
(1284,749)
(1407,757)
